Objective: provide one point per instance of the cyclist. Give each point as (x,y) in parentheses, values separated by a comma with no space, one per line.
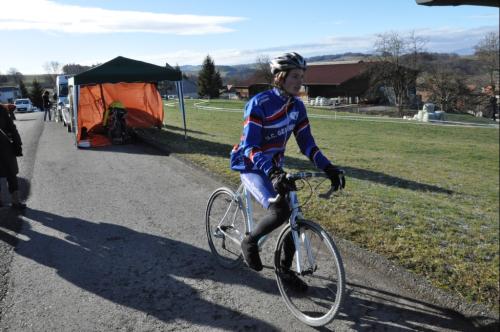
(269,120)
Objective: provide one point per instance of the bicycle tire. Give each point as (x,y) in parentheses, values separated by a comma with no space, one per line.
(225,211)
(320,303)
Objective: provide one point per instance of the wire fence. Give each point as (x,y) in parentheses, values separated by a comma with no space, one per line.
(203,105)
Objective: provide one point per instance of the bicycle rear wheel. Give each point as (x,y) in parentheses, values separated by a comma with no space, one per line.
(323,272)
(225,224)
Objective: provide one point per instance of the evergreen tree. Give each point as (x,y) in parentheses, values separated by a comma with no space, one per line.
(36,94)
(217,85)
(209,80)
(23,89)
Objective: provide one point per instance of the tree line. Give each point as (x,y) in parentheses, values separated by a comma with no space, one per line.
(399,62)
(454,83)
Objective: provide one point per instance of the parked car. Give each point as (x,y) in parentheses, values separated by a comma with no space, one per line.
(23,105)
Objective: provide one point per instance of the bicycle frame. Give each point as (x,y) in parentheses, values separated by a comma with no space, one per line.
(230,216)
(244,197)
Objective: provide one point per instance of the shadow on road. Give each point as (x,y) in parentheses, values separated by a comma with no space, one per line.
(370,309)
(134,269)
(135,147)
(140,271)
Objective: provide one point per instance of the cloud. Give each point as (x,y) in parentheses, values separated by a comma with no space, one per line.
(484,17)
(444,39)
(46,15)
(451,39)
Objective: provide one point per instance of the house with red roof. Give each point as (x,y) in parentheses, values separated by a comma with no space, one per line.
(337,79)
(331,80)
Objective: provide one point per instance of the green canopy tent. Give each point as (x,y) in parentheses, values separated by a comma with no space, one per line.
(121,69)
(125,70)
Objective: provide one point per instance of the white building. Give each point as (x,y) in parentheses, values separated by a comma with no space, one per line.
(9,93)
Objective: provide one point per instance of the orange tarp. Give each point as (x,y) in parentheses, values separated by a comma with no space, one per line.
(141,100)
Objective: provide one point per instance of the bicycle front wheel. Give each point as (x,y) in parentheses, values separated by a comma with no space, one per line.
(315,295)
(225,224)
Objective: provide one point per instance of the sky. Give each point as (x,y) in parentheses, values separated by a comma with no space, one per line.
(184,32)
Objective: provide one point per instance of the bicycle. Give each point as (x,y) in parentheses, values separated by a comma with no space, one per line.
(317,260)
(118,132)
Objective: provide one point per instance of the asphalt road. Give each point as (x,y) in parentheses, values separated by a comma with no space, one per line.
(114,239)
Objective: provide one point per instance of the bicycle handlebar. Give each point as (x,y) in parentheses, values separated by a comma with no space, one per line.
(305,175)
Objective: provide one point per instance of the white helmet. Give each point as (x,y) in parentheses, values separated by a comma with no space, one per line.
(288,61)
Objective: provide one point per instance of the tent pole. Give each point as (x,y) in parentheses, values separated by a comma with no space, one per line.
(74,118)
(102,98)
(180,95)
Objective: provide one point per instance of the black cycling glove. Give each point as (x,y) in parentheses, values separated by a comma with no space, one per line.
(336,175)
(281,184)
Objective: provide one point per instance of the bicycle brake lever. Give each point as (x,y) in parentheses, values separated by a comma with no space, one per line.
(274,199)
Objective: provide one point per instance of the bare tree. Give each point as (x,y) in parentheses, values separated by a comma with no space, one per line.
(447,89)
(263,70)
(487,50)
(15,75)
(53,68)
(415,46)
(73,69)
(390,47)
(393,70)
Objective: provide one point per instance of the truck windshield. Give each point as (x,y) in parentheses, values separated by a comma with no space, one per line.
(63,90)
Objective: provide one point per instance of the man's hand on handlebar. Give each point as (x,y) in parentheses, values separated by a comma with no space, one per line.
(280,182)
(336,175)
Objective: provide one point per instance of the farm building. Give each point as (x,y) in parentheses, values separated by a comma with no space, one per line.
(250,90)
(336,79)
(331,80)
(344,81)
(9,93)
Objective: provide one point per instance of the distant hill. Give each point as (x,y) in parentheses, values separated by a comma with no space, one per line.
(244,69)
(225,71)
(237,72)
(339,57)
(460,63)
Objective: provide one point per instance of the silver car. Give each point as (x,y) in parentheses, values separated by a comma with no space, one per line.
(23,105)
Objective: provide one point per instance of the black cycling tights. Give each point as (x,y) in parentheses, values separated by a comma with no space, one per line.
(279,213)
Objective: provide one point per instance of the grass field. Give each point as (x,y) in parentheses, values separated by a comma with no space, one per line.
(424,196)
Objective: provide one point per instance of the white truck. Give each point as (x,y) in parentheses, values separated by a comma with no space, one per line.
(62,100)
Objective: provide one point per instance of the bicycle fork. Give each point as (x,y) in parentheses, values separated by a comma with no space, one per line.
(300,239)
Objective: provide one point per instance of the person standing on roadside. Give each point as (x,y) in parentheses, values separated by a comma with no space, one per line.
(46,105)
(10,148)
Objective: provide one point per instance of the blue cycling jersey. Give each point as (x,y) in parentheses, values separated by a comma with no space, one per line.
(269,120)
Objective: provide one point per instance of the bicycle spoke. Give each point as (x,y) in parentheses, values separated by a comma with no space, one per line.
(321,272)
(224,221)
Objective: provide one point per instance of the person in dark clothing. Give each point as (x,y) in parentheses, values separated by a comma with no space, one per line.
(11,108)
(46,105)
(493,106)
(10,148)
